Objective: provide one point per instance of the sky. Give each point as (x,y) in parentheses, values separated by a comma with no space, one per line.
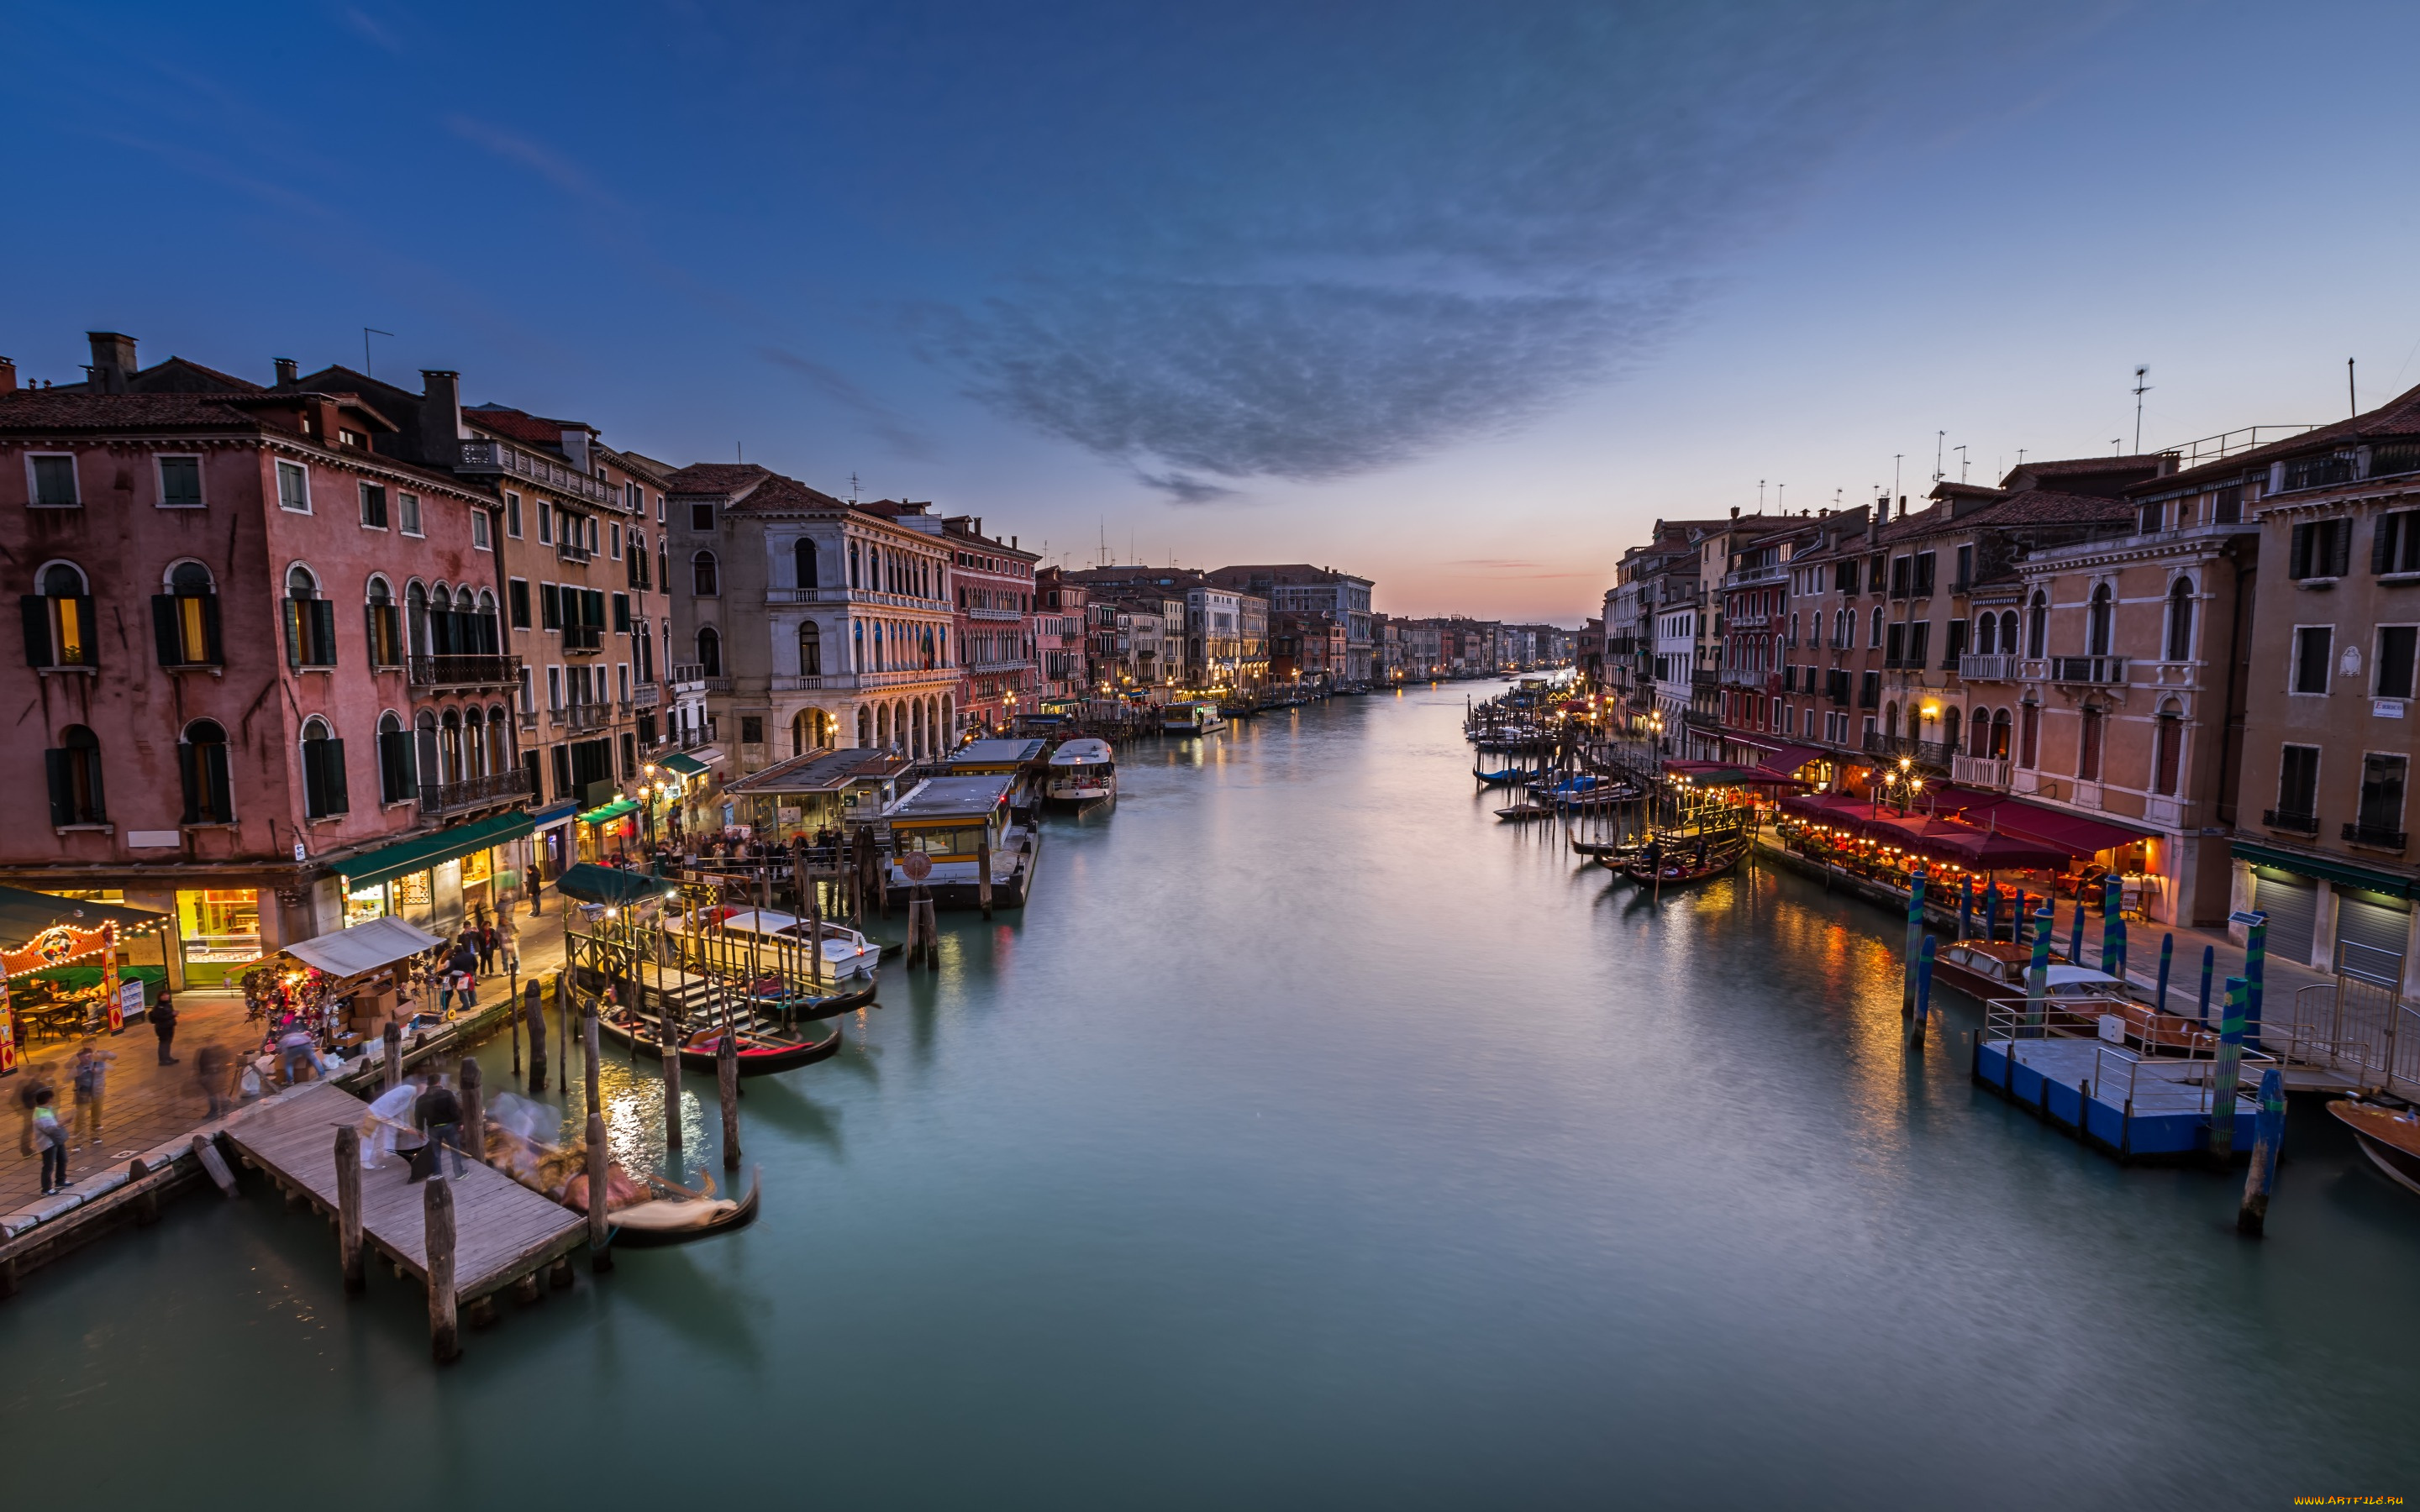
(1459,297)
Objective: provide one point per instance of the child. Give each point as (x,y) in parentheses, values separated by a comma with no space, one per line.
(51,1139)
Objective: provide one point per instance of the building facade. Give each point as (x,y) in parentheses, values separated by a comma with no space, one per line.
(992,583)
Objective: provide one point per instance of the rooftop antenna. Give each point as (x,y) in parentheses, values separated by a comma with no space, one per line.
(2117,446)
(2350,394)
(1895,456)
(852,488)
(1780,506)
(1939,437)
(368,332)
(1960,450)
(2021,457)
(1760,496)
(2142,371)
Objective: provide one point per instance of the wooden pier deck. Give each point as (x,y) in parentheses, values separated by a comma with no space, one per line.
(504,1231)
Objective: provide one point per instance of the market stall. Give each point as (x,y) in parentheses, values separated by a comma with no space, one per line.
(342,987)
(59,967)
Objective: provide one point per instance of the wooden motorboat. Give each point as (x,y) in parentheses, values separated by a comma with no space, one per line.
(681,1220)
(762,1051)
(2389,1136)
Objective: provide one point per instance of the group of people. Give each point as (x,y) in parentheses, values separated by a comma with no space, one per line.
(419,1117)
(42,1131)
(456,965)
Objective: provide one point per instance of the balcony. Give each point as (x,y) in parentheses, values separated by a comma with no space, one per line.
(583,638)
(463,672)
(1980,771)
(646,696)
(1755,577)
(1702,678)
(715,685)
(2290,822)
(474,792)
(686,675)
(2102,671)
(496,457)
(1923,753)
(2378,837)
(565,551)
(1700,720)
(584,716)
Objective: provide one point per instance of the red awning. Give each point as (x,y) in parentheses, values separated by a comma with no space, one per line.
(2078,836)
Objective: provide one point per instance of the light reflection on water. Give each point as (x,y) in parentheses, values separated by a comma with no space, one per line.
(1318,1140)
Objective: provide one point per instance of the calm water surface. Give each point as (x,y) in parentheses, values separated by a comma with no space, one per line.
(1314,1140)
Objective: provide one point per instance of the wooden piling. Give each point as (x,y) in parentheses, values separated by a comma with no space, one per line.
(348,1207)
(983,873)
(437,1213)
(726,1075)
(2268,1143)
(214,1164)
(670,1048)
(600,1259)
(595,1053)
(512,1011)
(469,1082)
(1923,996)
(533,1003)
(392,1045)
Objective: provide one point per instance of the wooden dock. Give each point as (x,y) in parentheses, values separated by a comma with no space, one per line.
(2135,1106)
(504,1233)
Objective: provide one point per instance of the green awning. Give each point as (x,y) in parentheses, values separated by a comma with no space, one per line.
(593,884)
(25,914)
(2350,872)
(607,813)
(419,853)
(686,764)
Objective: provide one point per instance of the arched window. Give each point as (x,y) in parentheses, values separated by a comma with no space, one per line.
(811,650)
(1987,635)
(2009,633)
(1978,734)
(385,620)
(803,560)
(310,620)
(1950,720)
(202,766)
(449,747)
(2168,746)
(428,765)
(2180,646)
(1890,720)
(864,716)
(500,747)
(395,759)
(58,619)
(709,652)
(1999,751)
(75,772)
(854,582)
(703,581)
(2028,735)
(323,771)
(2037,625)
(185,619)
(474,742)
(1875,637)
(486,632)
(2088,753)
(2100,621)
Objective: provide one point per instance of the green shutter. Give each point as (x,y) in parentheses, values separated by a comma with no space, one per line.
(54,766)
(164,634)
(211,645)
(293,632)
(38,629)
(339,797)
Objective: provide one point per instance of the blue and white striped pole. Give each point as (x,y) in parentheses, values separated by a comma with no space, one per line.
(2208,968)
(2227,1074)
(2037,974)
(1923,996)
(2167,957)
(2256,972)
(1915,933)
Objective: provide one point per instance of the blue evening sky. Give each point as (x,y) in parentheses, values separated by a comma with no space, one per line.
(1459,296)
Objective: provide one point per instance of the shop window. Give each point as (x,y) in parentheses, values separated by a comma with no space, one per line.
(73,768)
(219,931)
(203,771)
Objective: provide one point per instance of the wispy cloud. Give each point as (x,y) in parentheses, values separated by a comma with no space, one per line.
(361,22)
(842,389)
(539,159)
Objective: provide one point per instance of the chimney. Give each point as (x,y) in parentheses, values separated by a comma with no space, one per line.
(8,374)
(1734,511)
(288,374)
(113,359)
(441,417)
(1902,506)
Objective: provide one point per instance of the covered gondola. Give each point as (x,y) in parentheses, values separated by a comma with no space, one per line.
(762,1051)
(681,1221)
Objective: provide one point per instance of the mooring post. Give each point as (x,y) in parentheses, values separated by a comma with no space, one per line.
(437,1216)
(670,1048)
(512,1006)
(1915,937)
(348,1206)
(595,1053)
(214,1164)
(534,1007)
(1965,905)
(2038,973)
(727,1077)
(2209,964)
(2017,921)
(2167,957)
(1991,909)
(983,872)
(2075,935)
(600,1258)
(1923,996)
(2225,1075)
(467,1081)
(2256,976)
(391,1045)
(2268,1145)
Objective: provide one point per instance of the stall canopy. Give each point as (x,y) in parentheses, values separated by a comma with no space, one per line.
(593,884)
(687,765)
(607,813)
(24,915)
(364,948)
(419,853)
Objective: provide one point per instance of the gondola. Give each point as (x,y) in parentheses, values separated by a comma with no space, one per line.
(1495,780)
(760,1054)
(807,1009)
(661,1223)
(2389,1136)
(1678,866)
(1521,813)
(1612,853)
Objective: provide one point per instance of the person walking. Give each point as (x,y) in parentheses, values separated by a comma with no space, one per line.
(438,1113)
(211,1070)
(164,1023)
(28,1096)
(52,1138)
(91,1080)
(463,967)
(487,938)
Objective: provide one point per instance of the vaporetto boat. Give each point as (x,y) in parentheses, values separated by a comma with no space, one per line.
(1082,772)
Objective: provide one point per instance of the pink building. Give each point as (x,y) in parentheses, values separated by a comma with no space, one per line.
(221,684)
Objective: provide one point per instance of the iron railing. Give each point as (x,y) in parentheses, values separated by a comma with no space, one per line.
(463,671)
(473,792)
(2291,821)
(2384,836)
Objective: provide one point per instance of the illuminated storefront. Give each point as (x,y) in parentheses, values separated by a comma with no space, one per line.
(439,882)
(218,931)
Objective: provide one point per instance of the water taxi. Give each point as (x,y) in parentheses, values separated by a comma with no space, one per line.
(1191,720)
(1082,772)
(846,952)
(2389,1136)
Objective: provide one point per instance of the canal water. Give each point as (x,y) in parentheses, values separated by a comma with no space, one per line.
(1315,1140)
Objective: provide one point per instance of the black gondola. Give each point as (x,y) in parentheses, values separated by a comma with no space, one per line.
(761,1052)
(739,1217)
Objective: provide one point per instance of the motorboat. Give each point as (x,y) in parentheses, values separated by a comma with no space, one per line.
(846,952)
(1082,772)
(2389,1136)
(1191,720)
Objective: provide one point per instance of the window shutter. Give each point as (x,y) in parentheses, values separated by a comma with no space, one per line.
(164,631)
(323,631)
(293,632)
(2382,545)
(2340,548)
(550,603)
(211,645)
(332,755)
(191,778)
(2298,551)
(54,765)
(221,793)
(38,629)
(595,600)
